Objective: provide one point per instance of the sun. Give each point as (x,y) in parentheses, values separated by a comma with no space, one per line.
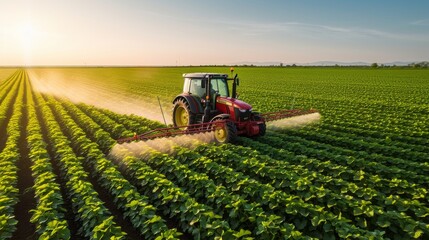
(27,34)
(27,40)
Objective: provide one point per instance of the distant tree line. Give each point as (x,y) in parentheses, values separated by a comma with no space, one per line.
(423,64)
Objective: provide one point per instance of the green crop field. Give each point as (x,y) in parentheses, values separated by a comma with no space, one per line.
(362,172)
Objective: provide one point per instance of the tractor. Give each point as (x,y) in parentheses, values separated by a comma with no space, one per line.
(206,99)
(207,105)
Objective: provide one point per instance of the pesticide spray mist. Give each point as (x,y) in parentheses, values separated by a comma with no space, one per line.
(142,149)
(81,89)
(294,122)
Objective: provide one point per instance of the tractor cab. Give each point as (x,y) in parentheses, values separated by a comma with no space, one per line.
(206,84)
(211,91)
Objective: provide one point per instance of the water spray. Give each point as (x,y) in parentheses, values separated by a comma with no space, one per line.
(294,122)
(141,149)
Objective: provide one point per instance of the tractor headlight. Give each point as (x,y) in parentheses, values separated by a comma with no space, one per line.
(242,110)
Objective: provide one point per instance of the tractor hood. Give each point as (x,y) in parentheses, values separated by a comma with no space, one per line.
(234,102)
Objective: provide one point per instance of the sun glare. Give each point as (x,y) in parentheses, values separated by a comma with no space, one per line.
(27,37)
(26,34)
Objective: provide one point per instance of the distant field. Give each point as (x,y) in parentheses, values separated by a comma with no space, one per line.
(362,172)
(5,73)
(391,98)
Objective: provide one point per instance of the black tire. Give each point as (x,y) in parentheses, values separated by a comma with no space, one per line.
(262,126)
(227,134)
(182,115)
(262,129)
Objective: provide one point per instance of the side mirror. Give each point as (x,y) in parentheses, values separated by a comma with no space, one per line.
(238,81)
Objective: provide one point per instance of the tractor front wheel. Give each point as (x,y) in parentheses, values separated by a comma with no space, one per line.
(225,133)
(262,129)
(262,126)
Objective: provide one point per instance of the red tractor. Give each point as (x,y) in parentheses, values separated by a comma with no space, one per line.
(208,105)
(206,99)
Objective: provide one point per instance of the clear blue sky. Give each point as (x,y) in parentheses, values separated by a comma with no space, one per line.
(194,32)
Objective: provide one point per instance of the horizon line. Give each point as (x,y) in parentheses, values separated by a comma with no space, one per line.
(240,64)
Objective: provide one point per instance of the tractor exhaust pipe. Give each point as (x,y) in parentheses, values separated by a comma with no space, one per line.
(234,84)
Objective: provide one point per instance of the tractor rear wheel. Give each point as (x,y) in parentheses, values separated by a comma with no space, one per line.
(225,133)
(182,115)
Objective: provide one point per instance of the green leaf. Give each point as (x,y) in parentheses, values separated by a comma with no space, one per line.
(418,233)
(242,233)
(383,221)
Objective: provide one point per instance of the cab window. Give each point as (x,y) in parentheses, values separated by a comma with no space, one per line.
(220,85)
(195,87)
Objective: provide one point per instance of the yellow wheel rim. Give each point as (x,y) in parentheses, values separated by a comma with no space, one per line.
(181,117)
(221,134)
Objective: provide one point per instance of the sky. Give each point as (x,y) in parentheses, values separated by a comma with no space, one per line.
(202,32)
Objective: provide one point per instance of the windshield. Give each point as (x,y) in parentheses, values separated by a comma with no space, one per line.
(220,85)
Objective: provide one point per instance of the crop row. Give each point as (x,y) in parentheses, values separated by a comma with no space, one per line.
(9,158)
(404,119)
(310,185)
(95,219)
(355,159)
(135,206)
(131,125)
(358,183)
(6,86)
(48,216)
(414,196)
(240,212)
(386,124)
(407,158)
(131,122)
(399,114)
(306,217)
(8,98)
(117,129)
(195,218)
(387,113)
(406,142)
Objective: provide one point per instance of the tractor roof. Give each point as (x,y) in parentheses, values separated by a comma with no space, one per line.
(202,75)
